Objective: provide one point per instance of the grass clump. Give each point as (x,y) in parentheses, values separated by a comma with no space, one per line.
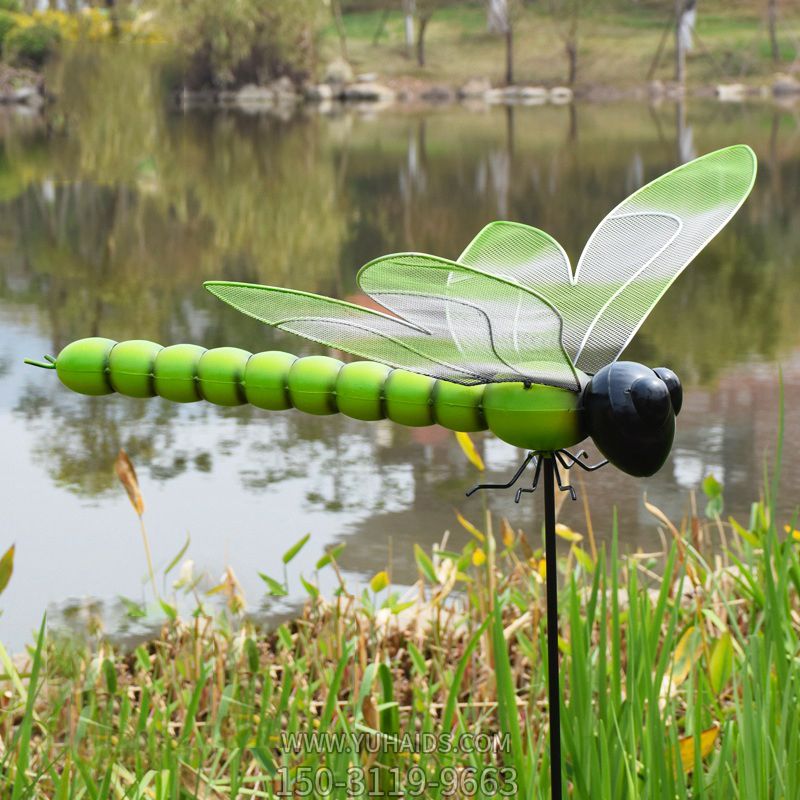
(680,673)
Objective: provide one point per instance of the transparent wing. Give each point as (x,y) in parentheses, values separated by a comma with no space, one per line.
(533,259)
(504,331)
(452,323)
(644,244)
(519,253)
(630,260)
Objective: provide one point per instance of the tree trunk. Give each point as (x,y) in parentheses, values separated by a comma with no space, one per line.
(113,15)
(571,44)
(497,16)
(409,8)
(381,25)
(423,26)
(772,23)
(572,63)
(510,54)
(336,12)
(680,52)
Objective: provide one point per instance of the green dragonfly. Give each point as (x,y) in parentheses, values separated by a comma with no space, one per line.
(506,338)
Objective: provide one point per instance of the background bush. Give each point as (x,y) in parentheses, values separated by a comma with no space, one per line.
(7,24)
(31,46)
(250,41)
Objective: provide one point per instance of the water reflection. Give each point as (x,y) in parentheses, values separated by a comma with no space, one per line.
(113,210)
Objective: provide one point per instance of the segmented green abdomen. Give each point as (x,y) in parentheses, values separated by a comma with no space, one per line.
(272,380)
(536,418)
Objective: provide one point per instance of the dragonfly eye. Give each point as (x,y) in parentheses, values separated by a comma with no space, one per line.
(674,387)
(651,399)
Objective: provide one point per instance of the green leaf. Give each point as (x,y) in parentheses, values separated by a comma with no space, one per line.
(748,536)
(168,609)
(133,610)
(712,489)
(110,675)
(6,567)
(295,549)
(331,555)
(251,651)
(455,682)
(24,737)
(583,558)
(274,589)
(143,658)
(310,588)
(286,637)
(425,564)
(450,555)
(507,710)
(388,708)
(194,703)
(711,486)
(714,508)
(181,553)
(333,686)
(265,760)
(417,659)
(720,665)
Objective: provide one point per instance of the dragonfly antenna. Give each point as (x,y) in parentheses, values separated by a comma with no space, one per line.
(48,363)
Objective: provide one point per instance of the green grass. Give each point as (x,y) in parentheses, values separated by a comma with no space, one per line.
(681,677)
(616,44)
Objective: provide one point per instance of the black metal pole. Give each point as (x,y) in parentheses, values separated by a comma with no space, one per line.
(554,695)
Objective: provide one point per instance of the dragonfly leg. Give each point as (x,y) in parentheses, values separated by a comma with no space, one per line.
(575,460)
(514,478)
(535,483)
(563,487)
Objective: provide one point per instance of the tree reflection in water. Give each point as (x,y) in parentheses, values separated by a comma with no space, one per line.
(114,209)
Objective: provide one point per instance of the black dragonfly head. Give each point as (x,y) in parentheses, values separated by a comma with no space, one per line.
(630,412)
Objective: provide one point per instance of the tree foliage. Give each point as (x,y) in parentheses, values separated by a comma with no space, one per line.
(32,45)
(228,44)
(7,24)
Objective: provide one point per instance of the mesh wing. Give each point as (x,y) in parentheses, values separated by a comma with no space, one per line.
(630,260)
(700,197)
(519,253)
(503,331)
(452,323)
(532,258)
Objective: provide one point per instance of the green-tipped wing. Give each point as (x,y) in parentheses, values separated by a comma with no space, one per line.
(451,322)
(510,309)
(534,259)
(630,260)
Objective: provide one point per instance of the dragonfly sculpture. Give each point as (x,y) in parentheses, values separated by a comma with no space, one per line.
(506,338)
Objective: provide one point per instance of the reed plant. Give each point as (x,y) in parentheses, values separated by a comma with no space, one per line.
(680,674)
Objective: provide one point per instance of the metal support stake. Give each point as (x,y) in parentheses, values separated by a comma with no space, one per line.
(546,462)
(551,580)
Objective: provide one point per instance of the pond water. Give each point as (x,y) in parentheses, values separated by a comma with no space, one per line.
(114,210)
